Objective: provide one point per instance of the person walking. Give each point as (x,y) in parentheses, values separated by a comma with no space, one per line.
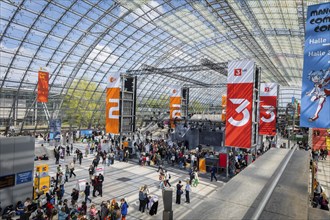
(72,169)
(67,173)
(179,192)
(188,189)
(196,179)
(167,178)
(87,192)
(213,172)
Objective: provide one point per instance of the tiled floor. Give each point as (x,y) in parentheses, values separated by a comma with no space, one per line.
(124,179)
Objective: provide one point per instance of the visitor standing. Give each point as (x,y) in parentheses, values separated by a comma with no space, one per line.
(87,192)
(179,192)
(188,190)
(123,208)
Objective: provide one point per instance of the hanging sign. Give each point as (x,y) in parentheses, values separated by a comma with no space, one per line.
(175,105)
(43,78)
(315,96)
(268,106)
(112,104)
(239,103)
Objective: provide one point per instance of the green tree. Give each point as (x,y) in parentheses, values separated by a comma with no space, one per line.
(196,106)
(80,102)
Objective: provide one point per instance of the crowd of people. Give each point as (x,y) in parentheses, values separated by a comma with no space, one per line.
(53,203)
(319,198)
(150,152)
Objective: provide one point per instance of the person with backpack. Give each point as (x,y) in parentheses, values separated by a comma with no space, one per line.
(179,192)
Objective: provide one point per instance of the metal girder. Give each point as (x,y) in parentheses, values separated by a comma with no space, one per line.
(170,71)
(219,67)
(218,85)
(165,72)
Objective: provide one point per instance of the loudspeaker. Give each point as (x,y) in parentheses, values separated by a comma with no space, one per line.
(129,84)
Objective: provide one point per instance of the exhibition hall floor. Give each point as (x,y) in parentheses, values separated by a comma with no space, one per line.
(122,180)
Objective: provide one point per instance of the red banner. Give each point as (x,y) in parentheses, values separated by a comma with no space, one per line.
(43,78)
(239,115)
(268,106)
(239,104)
(223,160)
(319,138)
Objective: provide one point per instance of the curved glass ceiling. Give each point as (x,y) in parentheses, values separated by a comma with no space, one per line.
(87,40)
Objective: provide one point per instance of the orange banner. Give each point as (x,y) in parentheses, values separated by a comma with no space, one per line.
(175,112)
(112,110)
(43,78)
(202,165)
(224,101)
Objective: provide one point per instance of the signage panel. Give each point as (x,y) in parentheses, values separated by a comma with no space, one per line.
(268,109)
(7,181)
(24,177)
(43,79)
(112,104)
(239,104)
(315,101)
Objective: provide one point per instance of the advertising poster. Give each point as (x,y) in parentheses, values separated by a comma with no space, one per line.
(99,170)
(81,185)
(24,177)
(315,96)
(43,78)
(239,104)
(112,110)
(268,106)
(55,129)
(175,104)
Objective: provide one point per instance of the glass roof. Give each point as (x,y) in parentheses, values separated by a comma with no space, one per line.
(87,40)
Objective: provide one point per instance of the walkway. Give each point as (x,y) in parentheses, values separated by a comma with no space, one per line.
(124,179)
